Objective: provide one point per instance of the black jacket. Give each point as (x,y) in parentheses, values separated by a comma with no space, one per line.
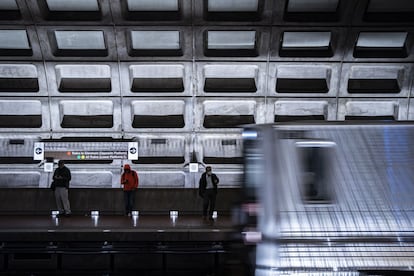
(64,181)
(203,183)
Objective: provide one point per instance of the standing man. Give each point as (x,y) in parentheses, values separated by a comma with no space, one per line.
(129,182)
(207,189)
(60,185)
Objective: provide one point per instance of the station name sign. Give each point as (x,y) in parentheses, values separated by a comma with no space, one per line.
(90,155)
(85,150)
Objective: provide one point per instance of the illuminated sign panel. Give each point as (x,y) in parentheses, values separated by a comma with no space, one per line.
(90,150)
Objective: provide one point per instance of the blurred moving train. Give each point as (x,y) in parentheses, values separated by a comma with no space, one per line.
(331,198)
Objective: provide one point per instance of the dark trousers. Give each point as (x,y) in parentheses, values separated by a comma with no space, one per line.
(129,199)
(209,199)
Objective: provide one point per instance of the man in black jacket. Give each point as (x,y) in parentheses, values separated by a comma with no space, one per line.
(207,189)
(60,186)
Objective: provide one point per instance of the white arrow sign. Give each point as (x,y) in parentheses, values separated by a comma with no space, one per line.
(39,151)
(133,150)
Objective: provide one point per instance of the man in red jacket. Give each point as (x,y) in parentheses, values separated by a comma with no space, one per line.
(129,182)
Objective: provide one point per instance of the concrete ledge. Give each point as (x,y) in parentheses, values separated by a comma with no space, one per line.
(35,201)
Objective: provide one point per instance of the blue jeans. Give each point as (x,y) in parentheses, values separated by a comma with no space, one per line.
(129,199)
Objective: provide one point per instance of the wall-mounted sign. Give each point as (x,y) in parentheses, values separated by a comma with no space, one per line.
(193,167)
(48,167)
(133,150)
(86,150)
(38,151)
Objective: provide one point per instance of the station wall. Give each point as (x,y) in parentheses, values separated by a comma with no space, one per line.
(180,77)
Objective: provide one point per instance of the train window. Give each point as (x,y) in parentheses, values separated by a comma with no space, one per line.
(253,164)
(315,165)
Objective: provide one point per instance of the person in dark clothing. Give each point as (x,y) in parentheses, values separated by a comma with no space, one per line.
(129,181)
(207,189)
(60,186)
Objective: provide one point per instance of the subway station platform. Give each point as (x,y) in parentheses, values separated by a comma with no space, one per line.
(120,245)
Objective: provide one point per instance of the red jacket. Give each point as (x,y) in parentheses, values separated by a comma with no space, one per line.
(129,179)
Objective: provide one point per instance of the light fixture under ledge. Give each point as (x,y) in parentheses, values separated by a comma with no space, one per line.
(94,213)
(214,216)
(173,217)
(135,213)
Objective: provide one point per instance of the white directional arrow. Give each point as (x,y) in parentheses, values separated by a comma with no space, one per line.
(133,150)
(38,151)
